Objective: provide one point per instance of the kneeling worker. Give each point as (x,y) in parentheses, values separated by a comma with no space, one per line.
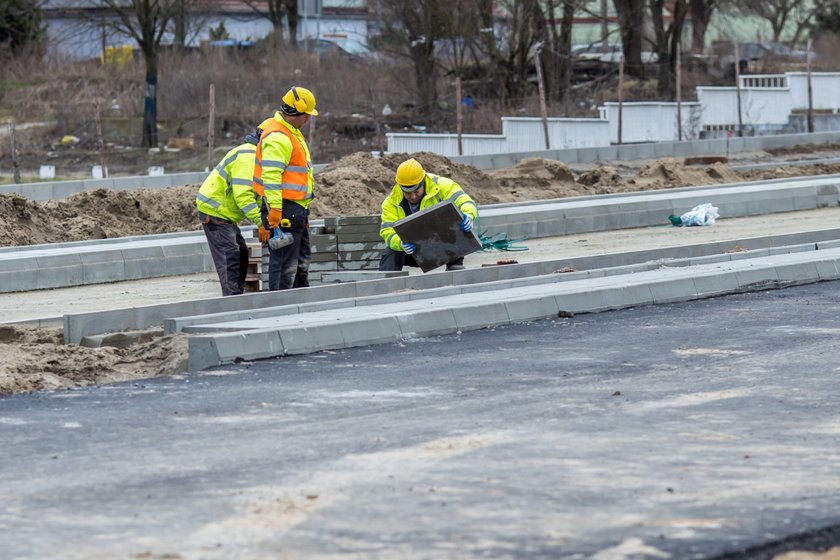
(417,190)
(226,198)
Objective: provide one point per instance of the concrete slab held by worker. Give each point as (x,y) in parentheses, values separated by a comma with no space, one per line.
(283,180)
(415,190)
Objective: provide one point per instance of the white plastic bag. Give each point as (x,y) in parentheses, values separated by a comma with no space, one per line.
(701,215)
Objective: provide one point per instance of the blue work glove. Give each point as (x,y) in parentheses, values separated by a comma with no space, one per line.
(408,248)
(467,223)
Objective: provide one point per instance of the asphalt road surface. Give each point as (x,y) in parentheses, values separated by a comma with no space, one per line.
(696,430)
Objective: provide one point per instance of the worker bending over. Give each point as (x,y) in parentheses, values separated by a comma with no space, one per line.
(225,199)
(417,190)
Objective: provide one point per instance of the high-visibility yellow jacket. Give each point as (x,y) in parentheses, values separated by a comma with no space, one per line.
(284,169)
(226,193)
(438,189)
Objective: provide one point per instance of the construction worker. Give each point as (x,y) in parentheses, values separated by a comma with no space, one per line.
(417,190)
(225,199)
(283,179)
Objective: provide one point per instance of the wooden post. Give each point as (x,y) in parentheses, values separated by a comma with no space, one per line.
(620,94)
(211,128)
(376,124)
(458,115)
(679,94)
(99,139)
(15,162)
(738,90)
(310,138)
(810,90)
(541,89)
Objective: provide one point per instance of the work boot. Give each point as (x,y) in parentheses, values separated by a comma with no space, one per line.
(451,266)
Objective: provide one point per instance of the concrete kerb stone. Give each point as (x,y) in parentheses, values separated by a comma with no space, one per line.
(102,266)
(468,313)
(77,325)
(55,271)
(218,349)
(426,323)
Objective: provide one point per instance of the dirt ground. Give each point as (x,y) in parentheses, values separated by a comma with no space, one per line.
(36,359)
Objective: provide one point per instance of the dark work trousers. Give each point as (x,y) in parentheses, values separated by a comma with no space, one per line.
(304,257)
(229,252)
(396,260)
(283,263)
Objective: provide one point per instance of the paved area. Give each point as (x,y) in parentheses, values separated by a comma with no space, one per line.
(56,302)
(677,431)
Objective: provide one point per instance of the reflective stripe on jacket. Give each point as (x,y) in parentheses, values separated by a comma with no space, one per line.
(226,193)
(282,170)
(438,189)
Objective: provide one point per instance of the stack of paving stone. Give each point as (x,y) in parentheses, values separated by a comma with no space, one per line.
(339,244)
(253,280)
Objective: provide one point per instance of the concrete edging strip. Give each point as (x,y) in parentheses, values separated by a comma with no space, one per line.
(466,312)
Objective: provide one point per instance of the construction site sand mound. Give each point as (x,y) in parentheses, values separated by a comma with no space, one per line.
(97,214)
(665,173)
(36,359)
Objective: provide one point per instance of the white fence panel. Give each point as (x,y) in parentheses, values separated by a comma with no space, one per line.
(765,106)
(825,87)
(719,106)
(445,144)
(525,134)
(652,121)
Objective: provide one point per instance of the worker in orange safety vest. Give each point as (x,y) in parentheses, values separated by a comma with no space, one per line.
(284,181)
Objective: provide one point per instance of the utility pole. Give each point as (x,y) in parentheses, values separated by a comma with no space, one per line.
(620,94)
(605,29)
(211,127)
(15,162)
(99,139)
(810,91)
(738,90)
(679,93)
(458,115)
(541,87)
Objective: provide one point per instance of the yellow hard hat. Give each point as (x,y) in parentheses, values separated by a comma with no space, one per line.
(410,175)
(299,100)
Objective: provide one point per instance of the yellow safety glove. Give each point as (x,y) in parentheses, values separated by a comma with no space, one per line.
(263,234)
(274,217)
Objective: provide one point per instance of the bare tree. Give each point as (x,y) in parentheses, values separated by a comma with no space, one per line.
(145,21)
(631,20)
(796,15)
(666,39)
(564,47)
(276,11)
(525,28)
(701,12)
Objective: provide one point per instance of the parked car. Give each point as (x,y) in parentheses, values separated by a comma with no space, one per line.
(342,47)
(591,59)
(753,57)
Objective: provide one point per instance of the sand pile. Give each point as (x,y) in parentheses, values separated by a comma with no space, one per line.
(36,359)
(98,214)
(670,173)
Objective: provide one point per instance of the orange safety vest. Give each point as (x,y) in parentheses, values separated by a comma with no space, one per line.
(295,183)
